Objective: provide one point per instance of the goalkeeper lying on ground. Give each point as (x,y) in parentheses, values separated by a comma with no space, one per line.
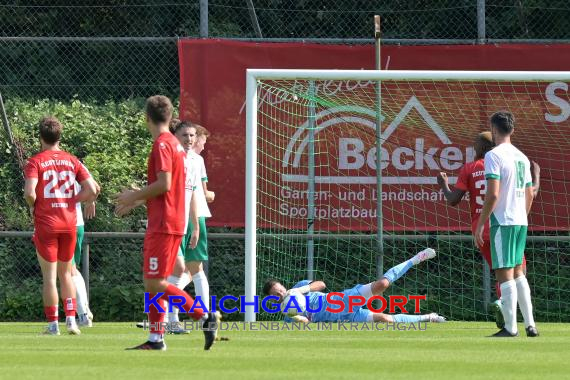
(314,291)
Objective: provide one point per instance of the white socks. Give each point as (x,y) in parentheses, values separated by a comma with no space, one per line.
(509,299)
(70,322)
(185,279)
(82,305)
(180,282)
(525,303)
(202,288)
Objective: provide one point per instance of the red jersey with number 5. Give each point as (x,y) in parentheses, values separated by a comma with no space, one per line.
(472,180)
(56,172)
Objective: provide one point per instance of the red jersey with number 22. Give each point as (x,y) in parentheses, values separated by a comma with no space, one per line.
(472,179)
(166,213)
(56,171)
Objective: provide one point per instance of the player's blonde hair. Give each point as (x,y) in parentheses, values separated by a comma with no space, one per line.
(201,131)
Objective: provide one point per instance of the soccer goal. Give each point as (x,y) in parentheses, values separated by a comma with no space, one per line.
(317,207)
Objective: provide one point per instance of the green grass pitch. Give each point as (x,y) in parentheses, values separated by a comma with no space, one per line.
(454,350)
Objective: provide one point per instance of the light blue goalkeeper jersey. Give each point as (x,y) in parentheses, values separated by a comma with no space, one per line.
(318,301)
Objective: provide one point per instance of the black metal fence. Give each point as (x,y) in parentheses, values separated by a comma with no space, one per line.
(402,19)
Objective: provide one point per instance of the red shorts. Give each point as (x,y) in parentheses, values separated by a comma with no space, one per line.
(55,246)
(160,251)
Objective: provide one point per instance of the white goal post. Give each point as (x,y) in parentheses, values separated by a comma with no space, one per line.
(253,78)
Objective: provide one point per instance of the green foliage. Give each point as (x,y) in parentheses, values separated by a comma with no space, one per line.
(118,302)
(23,303)
(111,138)
(20,281)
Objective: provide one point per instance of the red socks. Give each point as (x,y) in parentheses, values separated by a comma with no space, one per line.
(51,313)
(70,305)
(156,319)
(172,290)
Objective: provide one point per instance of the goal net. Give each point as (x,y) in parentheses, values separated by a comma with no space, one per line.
(318,208)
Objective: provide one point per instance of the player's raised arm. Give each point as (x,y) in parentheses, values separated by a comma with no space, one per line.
(453,196)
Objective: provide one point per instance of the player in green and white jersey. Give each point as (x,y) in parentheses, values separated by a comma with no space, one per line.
(194,257)
(507,203)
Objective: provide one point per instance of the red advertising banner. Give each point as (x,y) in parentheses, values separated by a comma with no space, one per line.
(427,128)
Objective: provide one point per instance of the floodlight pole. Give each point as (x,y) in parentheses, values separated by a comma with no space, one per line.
(379,223)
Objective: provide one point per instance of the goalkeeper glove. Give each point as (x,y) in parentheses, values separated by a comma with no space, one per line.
(303,290)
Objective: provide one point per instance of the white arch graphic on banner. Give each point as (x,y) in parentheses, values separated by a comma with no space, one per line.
(413,103)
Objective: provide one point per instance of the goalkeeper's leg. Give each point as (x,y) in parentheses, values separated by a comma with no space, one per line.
(405,318)
(394,273)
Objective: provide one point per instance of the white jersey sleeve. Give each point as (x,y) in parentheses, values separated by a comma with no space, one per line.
(80,221)
(203,209)
(203,174)
(528,176)
(189,186)
(492,166)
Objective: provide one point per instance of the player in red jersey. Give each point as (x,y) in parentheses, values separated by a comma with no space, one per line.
(472,180)
(50,193)
(165,200)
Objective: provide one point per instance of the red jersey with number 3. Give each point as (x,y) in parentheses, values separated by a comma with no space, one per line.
(166,212)
(472,180)
(56,172)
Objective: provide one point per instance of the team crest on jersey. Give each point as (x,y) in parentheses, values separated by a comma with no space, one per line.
(162,145)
